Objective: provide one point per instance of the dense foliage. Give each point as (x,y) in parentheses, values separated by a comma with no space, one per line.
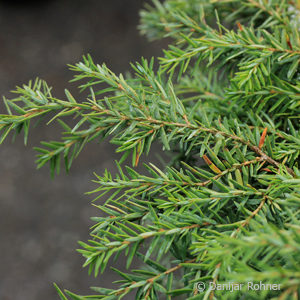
(224,100)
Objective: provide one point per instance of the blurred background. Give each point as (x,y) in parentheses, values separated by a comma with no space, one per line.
(41,219)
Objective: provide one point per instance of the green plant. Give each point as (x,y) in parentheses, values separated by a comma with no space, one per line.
(224,100)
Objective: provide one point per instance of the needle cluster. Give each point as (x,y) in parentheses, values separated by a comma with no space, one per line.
(224,100)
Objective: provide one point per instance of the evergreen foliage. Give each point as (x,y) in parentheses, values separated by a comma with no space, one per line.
(224,101)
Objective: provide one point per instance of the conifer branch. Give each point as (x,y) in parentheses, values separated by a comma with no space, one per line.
(224,103)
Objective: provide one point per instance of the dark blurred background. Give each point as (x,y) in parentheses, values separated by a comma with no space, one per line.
(41,219)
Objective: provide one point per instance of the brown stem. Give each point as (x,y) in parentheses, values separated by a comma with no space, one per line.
(171,270)
(154,278)
(254,213)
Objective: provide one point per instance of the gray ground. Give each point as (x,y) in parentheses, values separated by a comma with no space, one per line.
(41,219)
